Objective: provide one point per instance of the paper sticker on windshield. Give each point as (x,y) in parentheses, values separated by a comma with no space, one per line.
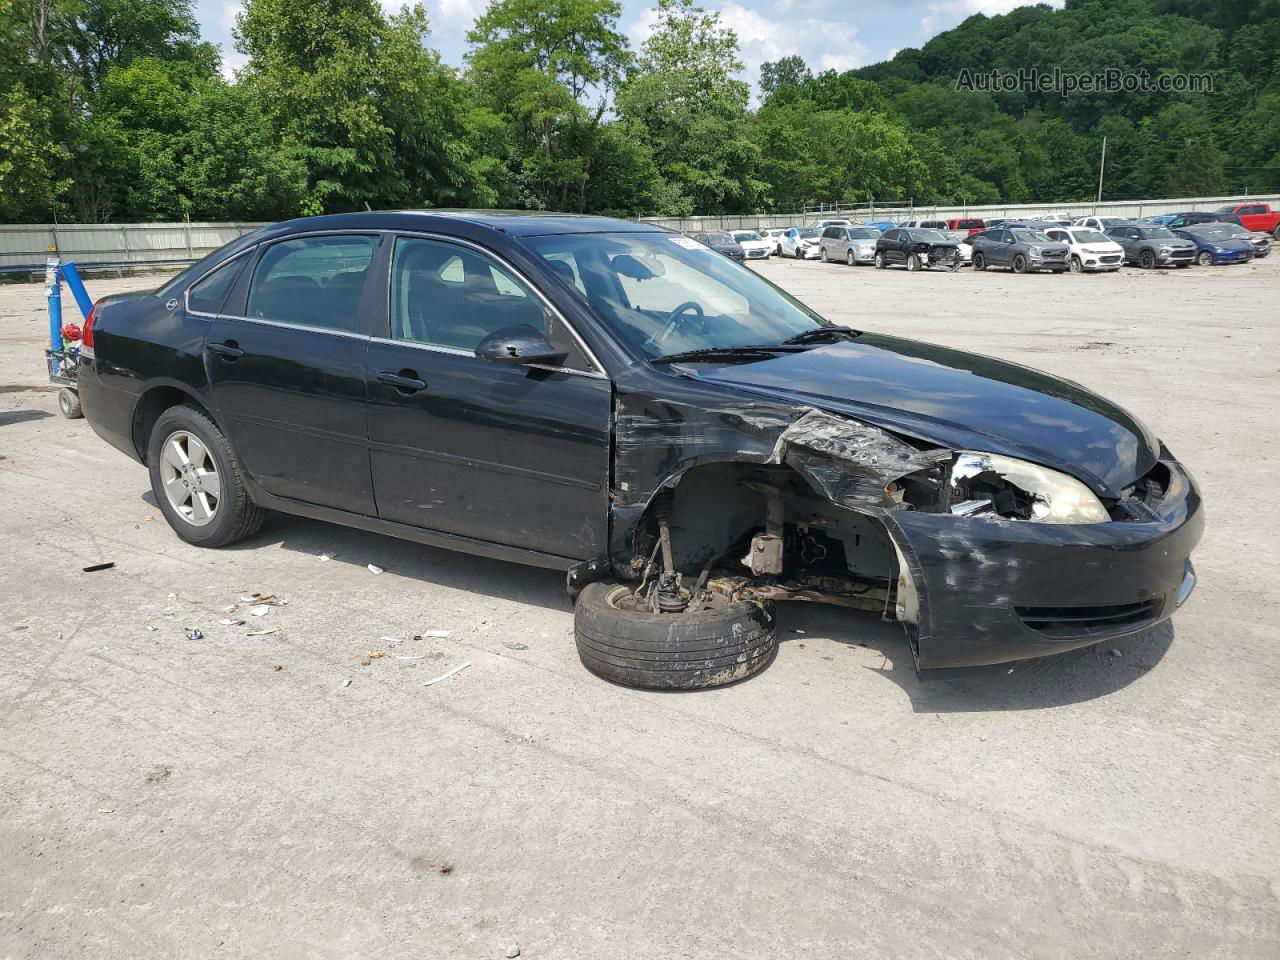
(687,243)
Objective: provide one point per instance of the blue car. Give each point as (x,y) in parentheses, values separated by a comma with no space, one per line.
(1215,244)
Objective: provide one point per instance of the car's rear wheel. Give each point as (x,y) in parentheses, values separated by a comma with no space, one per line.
(724,642)
(1147,260)
(1076,265)
(1205,259)
(1019,264)
(879,260)
(979,262)
(913,262)
(197,481)
(69,404)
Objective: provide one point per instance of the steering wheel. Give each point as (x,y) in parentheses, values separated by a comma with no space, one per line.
(676,318)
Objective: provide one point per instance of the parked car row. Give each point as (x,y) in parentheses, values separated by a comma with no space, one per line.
(1232,234)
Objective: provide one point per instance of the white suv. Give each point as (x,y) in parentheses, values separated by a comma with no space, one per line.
(1089,250)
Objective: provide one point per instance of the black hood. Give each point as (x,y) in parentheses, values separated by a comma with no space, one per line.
(957,400)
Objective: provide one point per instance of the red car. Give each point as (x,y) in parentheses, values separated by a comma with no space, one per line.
(1255,216)
(970,225)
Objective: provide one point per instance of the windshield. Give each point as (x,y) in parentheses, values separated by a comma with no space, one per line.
(666,294)
(928,236)
(741,235)
(1090,236)
(1158,233)
(810,232)
(1214,233)
(1239,231)
(863,233)
(1030,236)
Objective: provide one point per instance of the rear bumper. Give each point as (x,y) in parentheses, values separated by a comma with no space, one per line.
(994,591)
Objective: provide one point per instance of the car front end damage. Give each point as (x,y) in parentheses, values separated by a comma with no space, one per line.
(982,558)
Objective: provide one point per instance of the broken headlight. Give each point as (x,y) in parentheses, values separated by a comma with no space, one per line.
(987,484)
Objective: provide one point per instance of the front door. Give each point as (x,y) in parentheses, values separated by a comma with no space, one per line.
(515,455)
(286,362)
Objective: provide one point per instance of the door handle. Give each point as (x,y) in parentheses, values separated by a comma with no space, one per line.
(406,381)
(231,350)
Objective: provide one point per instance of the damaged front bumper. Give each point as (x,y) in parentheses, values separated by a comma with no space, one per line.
(987,590)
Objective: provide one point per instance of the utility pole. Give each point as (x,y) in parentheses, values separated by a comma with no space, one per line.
(1102,169)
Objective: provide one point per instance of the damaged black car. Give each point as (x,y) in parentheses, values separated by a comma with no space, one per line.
(689,443)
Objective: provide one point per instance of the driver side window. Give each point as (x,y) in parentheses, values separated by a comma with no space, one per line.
(450,296)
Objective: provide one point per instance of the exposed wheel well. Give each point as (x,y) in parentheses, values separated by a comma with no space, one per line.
(152,404)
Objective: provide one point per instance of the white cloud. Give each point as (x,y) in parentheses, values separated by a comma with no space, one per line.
(946,14)
(232,60)
(824,44)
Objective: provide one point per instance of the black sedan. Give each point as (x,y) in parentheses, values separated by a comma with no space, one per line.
(917,249)
(687,442)
(724,243)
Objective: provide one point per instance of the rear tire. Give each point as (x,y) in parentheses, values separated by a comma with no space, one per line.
(234,515)
(69,404)
(663,651)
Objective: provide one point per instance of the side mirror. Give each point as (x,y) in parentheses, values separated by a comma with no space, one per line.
(521,344)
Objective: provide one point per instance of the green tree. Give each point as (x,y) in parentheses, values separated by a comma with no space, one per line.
(689,108)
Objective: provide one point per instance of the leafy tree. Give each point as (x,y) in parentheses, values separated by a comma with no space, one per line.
(691,110)
(788,72)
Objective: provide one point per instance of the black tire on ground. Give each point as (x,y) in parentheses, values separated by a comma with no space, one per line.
(236,515)
(880,263)
(1147,259)
(69,404)
(1019,264)
(979,262)
(662,651)
(849,259)
(913,262)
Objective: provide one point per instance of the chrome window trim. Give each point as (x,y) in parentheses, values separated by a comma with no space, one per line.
(295,326)
(458,352)
(186,294)
(598,373)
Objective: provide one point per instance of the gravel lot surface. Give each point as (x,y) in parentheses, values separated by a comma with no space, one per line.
(236,796)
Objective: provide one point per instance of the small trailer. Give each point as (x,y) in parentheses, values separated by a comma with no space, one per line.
(63,352)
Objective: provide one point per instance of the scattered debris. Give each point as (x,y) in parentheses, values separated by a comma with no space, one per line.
(376,654)
(148,518)
(262,633)
(516,646)
(432,635)
(513,950)
(106,809)
(391,639)
(259,611)
(346,682)
(160,771)
(228,622)
(446,676)
(95,567)
(325,556)
(151,628)
(797,631)
(446,869)
(365,663)
(1115,652)
(374,568)
(194,634)
(278,667)
(398,657)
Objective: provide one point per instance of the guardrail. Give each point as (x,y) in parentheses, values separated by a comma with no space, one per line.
(95,245)
(1133,209)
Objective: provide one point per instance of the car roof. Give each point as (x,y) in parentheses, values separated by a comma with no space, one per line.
(515,223)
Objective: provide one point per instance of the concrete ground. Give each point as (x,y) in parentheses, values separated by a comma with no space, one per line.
(235,796)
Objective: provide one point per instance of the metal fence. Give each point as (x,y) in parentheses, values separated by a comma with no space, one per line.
(96,245)
(106,245)
(1133,209)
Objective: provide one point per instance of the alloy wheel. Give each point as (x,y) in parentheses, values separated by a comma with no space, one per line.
(190,477)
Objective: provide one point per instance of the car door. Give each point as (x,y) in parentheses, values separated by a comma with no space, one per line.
(892,248)
(509,454)
(997,250)
(285,361)
(1129,240)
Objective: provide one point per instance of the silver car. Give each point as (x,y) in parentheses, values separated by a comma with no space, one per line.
(853,245)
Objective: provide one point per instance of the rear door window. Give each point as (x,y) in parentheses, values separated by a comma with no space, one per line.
(312,282)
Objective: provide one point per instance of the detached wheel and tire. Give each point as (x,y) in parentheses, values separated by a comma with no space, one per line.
(663,651)
(69,404)
(196,479)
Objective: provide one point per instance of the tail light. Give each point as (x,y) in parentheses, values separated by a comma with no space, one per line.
(87,333)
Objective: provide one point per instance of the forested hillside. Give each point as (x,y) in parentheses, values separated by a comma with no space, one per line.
(117,110)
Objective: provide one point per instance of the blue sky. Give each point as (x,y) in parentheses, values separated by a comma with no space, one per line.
(829,34)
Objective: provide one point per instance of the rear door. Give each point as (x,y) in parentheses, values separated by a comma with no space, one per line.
(286,362)
(515,455)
